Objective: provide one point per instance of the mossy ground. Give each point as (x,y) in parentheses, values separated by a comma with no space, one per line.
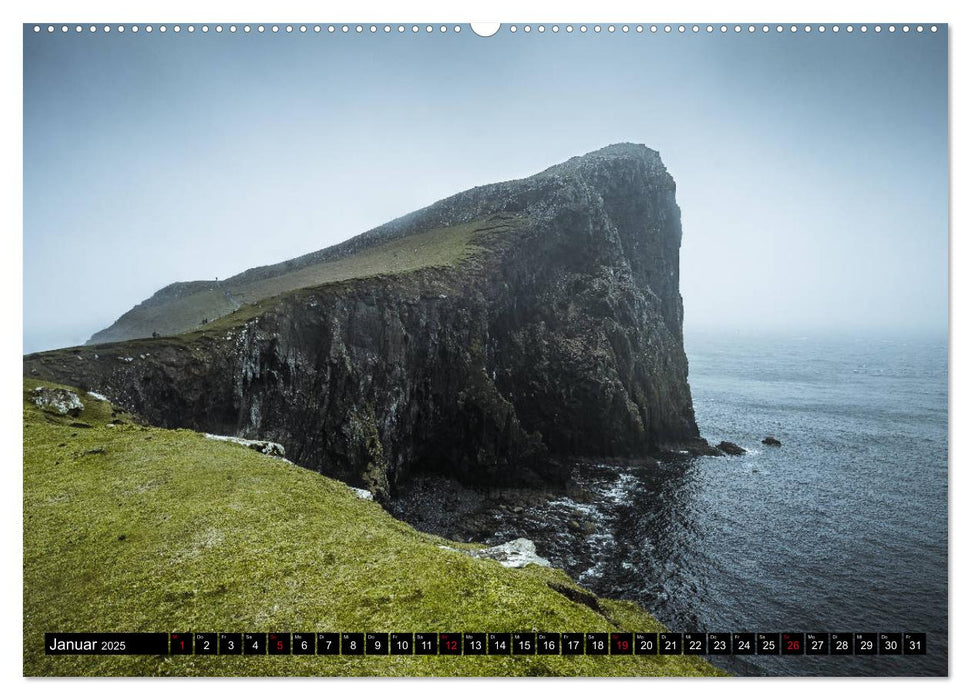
(441,247)
(134,528)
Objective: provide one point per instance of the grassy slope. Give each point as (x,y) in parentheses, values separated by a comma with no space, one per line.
(220,538)
(438,247)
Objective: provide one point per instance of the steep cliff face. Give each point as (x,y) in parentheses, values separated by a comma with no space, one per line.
(552,330)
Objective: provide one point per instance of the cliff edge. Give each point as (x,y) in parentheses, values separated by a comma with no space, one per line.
(484,337)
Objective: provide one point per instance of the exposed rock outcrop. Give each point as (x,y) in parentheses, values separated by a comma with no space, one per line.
(556,332)
(771,442)
(514,554)
(730,448)
(273,449)
(60,402)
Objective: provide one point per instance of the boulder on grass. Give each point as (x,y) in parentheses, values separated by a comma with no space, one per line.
(60,402)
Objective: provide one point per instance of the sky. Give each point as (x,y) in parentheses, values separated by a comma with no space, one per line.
(811,169)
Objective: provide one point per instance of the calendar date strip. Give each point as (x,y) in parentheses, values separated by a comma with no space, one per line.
(487,643)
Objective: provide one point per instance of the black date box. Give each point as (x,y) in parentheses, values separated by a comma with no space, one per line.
(597,643)
(670,643)
(278,643)
(865,643)
(180,643)
(695,643)
(891,642)
(817,643)
(402,643)
(205,642)
(767,643)
(450,643)
(230,643)
(793,643)
(254,643)
(548,643)
(719,643)
(303,643)
(474,643)
(743,643)
(328,643)
(571,643)
(426,643)
(524,643)
(621,643)
(841,644)
(645,643)
(352,643)
(915,643)
(500,643)
(376,643)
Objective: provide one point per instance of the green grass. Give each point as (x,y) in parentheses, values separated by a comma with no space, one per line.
(164,530)
(434,248)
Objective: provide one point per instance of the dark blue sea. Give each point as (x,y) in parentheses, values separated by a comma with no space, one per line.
(842,528)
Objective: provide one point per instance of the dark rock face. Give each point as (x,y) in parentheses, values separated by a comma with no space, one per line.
(730,448)
(561,338)
(771,442)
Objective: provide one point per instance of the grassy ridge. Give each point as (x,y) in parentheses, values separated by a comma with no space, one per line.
(134,528)
(180,314)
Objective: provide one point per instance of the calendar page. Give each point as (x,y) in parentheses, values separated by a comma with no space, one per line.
(512,349)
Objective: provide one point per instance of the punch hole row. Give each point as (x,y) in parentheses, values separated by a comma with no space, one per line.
(257,28)
(443,29)
(723,28)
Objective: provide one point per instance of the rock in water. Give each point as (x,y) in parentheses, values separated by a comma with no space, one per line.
(730,448)
(58,401)
(771,442)
(482,338)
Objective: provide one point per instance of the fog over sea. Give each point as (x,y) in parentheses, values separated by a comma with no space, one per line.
(842,529)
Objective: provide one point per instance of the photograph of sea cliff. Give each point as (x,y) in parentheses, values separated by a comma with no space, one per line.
(569,329)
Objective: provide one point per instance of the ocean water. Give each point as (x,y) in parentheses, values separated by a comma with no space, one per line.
(842,529)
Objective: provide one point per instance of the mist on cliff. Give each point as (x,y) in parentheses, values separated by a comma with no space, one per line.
(812,169)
